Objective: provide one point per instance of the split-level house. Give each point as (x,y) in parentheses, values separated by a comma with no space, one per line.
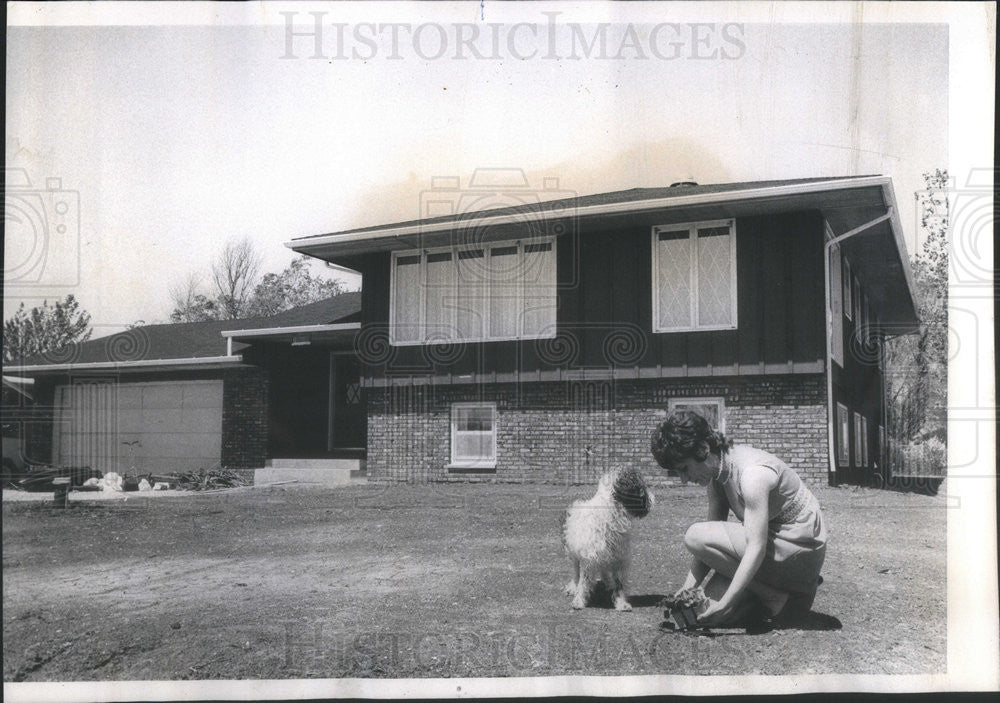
(544,339)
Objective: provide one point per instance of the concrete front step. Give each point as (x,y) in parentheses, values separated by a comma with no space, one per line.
(322,472)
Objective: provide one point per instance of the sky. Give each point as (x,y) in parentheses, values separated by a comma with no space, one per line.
(177,138)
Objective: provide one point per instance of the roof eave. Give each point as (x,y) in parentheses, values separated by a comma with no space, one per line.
(904,257)
(138,365)
(299,329)
(305,245)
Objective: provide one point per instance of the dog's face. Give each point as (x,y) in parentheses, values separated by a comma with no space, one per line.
(630,490)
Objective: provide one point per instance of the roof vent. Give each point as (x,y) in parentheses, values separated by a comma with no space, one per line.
(683,184)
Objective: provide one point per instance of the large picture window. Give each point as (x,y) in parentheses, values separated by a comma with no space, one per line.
(473,435)
(694,276)
(504,290)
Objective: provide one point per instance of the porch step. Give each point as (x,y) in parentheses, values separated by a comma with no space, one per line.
(321,472)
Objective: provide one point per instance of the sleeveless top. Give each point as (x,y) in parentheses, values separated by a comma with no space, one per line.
(793,511)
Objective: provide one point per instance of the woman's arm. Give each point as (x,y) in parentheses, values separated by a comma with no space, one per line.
(757,486)
(718,504)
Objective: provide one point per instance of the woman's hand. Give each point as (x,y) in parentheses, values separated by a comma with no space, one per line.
(716,614)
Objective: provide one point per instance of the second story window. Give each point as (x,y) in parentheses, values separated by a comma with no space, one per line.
(497,291)
(694,276)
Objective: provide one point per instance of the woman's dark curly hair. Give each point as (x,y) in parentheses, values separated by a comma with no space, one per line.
(681,435)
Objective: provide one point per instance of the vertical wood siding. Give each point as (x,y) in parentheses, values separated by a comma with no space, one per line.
(605,288)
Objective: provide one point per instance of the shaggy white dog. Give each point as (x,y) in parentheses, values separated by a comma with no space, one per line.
(596,534)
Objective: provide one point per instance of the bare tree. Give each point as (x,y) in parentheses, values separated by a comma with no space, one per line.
(235,275)
(190,304)
(239,291)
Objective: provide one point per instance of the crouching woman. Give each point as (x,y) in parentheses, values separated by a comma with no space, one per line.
(769,562)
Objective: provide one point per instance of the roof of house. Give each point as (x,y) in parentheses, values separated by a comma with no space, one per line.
(196,340)
(534,202)
(849,205)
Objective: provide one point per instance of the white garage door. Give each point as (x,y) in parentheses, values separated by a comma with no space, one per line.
(138,427)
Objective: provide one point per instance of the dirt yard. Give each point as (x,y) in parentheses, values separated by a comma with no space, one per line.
(431,580)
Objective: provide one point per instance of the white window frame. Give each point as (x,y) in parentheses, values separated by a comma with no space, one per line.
(857,300)
(866,332)
(692,228)
(843,435)
(467,462)
(720,403)
(836,327)
(847,282)
(454,251)
(858,454)
(881,444)
(864,442)
(880,349)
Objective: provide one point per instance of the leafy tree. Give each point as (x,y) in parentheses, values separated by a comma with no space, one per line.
(190,305)
(44,330)
(291,288)
(238,291)
(916,366)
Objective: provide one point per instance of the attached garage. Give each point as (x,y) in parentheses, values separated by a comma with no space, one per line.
(138,427)
(171,398)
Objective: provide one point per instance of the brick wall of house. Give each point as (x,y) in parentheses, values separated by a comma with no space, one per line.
(244,418)
(571,431)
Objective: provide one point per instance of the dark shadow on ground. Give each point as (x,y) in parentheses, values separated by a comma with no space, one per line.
(600,597)
(812,621)
(650,600)
(924,485)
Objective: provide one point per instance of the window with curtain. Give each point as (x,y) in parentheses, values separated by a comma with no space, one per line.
(694,276)
(500,291)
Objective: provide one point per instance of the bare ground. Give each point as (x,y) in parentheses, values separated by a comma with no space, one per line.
(430,580)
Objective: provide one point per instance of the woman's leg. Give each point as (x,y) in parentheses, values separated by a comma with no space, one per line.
(699,570)
(721,546)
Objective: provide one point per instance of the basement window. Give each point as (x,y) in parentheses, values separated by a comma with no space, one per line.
(858,442)
(712,409)
(843,435)
(473,436)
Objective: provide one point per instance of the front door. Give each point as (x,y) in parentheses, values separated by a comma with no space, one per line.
(348,421)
